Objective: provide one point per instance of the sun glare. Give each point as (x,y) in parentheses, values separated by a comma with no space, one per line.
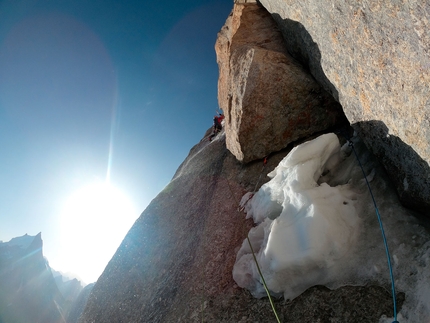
(94,221)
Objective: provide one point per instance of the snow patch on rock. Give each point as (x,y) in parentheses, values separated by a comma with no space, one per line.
(316,225)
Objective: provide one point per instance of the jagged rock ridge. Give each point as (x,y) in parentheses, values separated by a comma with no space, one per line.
(28,292)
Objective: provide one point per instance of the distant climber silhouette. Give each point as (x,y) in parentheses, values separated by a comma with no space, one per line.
(217,127)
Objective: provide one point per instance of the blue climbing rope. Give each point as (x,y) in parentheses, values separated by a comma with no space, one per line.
(393,289)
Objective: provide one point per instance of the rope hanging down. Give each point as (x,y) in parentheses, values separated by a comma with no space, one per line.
(393,289)
(252,249)
(350,144)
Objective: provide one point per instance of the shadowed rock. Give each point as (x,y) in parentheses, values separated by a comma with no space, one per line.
(175,264)
(373,58)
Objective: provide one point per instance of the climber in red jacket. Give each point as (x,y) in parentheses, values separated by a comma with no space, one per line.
(217,127)
(217,122)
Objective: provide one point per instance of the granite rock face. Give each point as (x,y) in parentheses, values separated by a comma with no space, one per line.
(373,57)
(175,264)
(79,305)
(267,96)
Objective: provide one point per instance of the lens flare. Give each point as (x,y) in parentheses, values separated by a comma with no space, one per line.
(94,221)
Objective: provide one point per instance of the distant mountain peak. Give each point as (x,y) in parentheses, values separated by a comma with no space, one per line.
(28,290)
(23,241)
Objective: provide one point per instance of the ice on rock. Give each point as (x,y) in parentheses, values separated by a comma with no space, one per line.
(317,226)
(304,227)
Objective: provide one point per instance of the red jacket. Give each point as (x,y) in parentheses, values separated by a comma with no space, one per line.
(219,118)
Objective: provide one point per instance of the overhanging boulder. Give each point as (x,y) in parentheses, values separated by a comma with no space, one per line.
(268,98)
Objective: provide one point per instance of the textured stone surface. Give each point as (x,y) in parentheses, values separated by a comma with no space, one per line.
(374,58)
(266,95)
(175,263)
(79,305)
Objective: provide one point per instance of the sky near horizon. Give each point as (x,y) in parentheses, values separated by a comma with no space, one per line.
(100,102)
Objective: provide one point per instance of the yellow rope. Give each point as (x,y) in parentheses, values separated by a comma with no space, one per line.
(256,262)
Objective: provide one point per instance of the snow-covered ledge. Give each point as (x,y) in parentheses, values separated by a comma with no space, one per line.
(317,226)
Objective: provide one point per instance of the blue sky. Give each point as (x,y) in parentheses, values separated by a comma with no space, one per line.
(97,89)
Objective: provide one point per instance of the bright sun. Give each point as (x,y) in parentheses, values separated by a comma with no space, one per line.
(94,221)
